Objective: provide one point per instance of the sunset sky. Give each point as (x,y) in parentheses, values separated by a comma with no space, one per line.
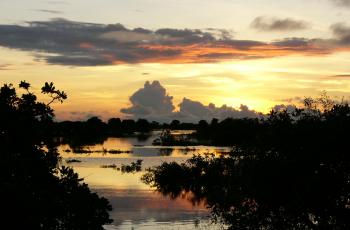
(141,58)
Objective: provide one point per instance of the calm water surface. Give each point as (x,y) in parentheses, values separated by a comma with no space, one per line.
(135,205)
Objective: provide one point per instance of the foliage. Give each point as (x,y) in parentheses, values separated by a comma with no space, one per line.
(36,192)
(292,172)
(133,167)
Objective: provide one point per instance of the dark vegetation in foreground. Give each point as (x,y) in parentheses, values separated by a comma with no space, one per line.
(36,192)
(288,171)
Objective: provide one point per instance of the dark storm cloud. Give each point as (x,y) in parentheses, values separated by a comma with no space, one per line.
(263,23)
(70,43)
(153,102)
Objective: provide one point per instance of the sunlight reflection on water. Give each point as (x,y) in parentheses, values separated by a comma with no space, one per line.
(135,205)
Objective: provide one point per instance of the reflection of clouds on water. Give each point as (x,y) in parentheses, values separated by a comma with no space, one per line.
(149,210)
(141,146)
(134,204)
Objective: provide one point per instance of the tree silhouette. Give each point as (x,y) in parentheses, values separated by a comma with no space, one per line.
(291,171)
(36,192)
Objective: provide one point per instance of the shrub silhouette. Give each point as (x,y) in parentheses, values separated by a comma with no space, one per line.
(36,192)
(291,172)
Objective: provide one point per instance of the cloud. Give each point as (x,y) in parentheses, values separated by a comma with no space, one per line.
(342,32)
(342,3)
(340,76)
(289,108)
(293,100)
(153,102)
(264,23)
(5,67)
(49,11)
(194,111)
(70,43)
(292,42)
(57,2)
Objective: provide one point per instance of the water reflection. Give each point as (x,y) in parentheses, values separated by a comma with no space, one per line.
(134,203)
(133,146)
(140,207)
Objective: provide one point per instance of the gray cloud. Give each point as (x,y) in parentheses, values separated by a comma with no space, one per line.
(263,23)
(342,3)
(292,42)
(152,102)
(64,42)
(342,32)
(194,111)
(70,43)
(85,44)
(49,11)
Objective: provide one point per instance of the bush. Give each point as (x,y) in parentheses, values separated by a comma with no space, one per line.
(36,192)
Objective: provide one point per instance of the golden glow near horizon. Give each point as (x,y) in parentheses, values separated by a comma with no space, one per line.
(224,59)
(260,84)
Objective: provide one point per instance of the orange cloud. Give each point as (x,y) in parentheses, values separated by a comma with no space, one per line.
(86,44)
(215,53)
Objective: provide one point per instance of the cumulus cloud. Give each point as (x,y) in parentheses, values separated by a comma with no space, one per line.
(153,102)
(290,108)
(195,110)
(264,23)
(342,3)
(150,101)
(70,43)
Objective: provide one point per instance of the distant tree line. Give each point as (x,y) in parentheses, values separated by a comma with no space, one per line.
(94,130)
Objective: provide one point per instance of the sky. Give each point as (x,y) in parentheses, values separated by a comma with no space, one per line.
(177,59)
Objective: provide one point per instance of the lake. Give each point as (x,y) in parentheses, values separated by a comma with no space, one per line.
(136,205)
